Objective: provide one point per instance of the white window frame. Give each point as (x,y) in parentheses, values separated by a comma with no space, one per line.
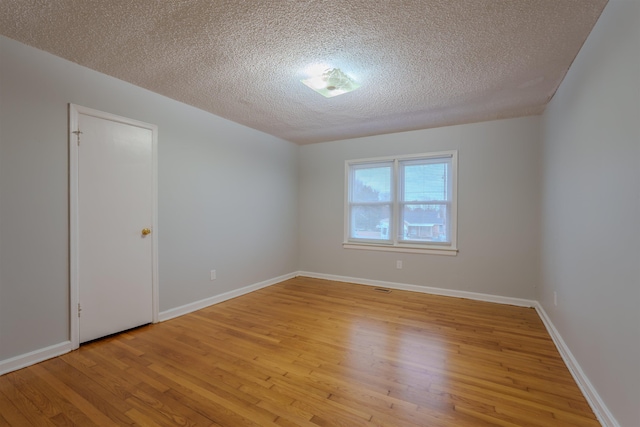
(394,245)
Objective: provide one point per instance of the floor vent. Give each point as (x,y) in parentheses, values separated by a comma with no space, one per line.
(383,290)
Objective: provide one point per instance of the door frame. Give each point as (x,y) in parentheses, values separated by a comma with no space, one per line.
(74,286)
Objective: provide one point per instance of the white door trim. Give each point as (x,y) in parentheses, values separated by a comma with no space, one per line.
(74,112)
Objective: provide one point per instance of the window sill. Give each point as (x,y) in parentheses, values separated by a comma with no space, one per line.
(405,249)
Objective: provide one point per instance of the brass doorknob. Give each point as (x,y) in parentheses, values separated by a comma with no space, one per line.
(146,231)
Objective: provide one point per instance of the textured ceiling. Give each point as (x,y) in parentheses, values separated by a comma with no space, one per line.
(421,63)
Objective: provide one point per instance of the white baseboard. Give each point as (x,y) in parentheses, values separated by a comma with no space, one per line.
(31,358)
(588,390)
(198,305)
(424,289)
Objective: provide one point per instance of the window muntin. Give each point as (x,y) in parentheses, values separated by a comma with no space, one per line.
(406,201)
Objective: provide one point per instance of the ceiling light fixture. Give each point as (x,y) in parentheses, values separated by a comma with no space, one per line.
(332,82)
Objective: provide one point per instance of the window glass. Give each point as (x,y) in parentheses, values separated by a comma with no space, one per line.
(372,184)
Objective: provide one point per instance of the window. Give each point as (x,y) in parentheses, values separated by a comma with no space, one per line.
(405,203)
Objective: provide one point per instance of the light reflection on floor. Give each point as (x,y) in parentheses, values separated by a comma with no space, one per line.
(397,356)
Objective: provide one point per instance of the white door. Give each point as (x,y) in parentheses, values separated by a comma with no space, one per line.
(115,218)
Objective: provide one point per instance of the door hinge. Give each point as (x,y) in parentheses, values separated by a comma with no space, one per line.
(79,309)
(77,133)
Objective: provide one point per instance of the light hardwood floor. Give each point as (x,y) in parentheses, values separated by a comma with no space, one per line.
(310,352)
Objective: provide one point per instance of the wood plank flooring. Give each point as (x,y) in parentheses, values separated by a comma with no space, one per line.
(310,352)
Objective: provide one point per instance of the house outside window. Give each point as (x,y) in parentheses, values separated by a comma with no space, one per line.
(402,203)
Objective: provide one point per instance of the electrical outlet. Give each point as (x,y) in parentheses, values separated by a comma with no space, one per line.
(399,265)
(555,298)
(213,275)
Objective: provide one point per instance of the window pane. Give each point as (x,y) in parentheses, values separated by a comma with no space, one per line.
(425,182)
(425,223)
(370,222)
(371,184)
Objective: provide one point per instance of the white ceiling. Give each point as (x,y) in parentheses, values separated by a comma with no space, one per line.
(421,63)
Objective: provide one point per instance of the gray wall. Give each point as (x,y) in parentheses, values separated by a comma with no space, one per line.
(227,195)
(498,209)
(591,209)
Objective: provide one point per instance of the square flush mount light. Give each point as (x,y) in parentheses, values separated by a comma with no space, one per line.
(332,82)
